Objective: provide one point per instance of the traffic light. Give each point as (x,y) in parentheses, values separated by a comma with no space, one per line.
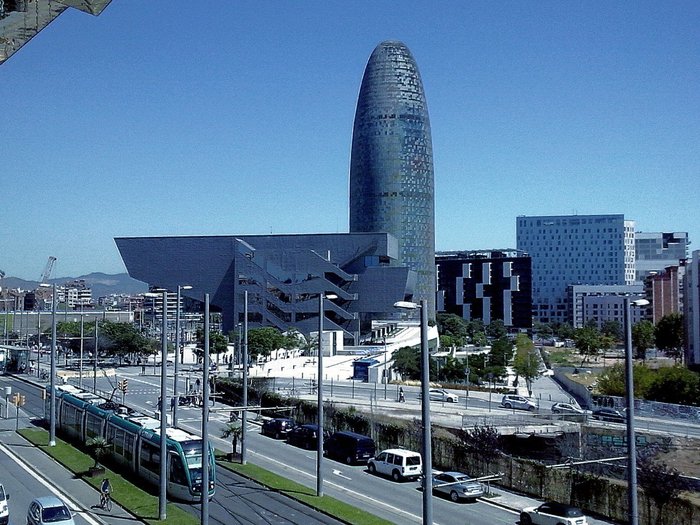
(126,384)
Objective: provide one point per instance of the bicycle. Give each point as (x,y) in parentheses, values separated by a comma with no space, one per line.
(106,501)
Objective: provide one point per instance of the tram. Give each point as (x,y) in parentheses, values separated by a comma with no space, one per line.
(135,441)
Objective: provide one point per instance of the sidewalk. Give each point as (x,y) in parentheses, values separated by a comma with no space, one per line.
(79,495)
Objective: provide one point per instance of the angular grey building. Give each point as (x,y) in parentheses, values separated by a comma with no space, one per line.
(391,166)
(283,275)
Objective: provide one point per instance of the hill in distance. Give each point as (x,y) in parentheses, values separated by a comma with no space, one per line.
(102,284)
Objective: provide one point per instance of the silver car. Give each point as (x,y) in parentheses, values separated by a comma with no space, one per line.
(457,485)
(515,401)
(440,394)
(566,408)
(49,509)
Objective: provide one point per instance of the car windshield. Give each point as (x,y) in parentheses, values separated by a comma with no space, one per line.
(462,478)
(53,514)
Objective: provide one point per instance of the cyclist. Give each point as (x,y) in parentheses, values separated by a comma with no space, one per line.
(106,494)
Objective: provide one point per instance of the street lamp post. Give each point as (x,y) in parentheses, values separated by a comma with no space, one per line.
(204,517)
(629,393)
(319,385)
(244,412)
(162,496)
(52,380)
(177,350)
(425,407)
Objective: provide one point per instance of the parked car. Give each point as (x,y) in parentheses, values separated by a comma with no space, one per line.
(515,401)
(439,394)
(277,427)
(398,463)
(457,486)
(554,514)
(304,436)
(349,447)
(4,508)
(608,414)
(566,408)
(49,509)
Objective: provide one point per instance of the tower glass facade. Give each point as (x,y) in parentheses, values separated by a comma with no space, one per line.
(391,166)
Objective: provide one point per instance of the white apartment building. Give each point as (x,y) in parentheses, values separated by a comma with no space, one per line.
(574,250)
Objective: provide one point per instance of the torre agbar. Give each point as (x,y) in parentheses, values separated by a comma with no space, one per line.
(391,166)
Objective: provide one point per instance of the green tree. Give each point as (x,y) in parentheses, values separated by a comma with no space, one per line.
(407,362)
(670,335)
(483,442)
(263,341)
(124,339)
(232,430)
(98,448)
(454,327)
(613,329)
(612,381)
(675,385)
(643,338)
(527,359)
(293,339)
(496,329)
(452,370)
(475,328)
(660,482)
(589,342)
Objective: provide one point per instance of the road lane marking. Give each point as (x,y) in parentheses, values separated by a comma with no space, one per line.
(359,495)
(56,491)
(340,474)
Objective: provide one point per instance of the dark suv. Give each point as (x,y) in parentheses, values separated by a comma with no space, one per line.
(278,427)
(608,414)
(304,436)
(349,447)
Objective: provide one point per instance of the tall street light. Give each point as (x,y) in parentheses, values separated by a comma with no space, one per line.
(177,350)
(52,378)
(204,515)
(633,514)
(244,412)
(319,385)
(162,497)
(425,407)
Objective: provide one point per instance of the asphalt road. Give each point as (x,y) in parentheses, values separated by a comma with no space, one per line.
(23,486)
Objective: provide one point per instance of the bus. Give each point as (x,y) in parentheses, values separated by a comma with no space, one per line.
(135,441)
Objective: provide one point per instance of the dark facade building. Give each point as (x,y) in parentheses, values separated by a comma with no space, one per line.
(486,285)
(391,166)
(283,275)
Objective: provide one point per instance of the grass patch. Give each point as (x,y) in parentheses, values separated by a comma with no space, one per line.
(135,500)
(326,504)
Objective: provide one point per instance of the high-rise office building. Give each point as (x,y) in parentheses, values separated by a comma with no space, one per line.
(691,311)
(572,250)
(486,284)
(654,251)
(391,166)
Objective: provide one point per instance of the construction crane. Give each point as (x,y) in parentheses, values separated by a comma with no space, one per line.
(46,274)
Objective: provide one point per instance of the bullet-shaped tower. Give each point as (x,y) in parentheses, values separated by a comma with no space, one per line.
(391,165)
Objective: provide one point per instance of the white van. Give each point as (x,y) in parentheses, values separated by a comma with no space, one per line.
(398,463)
(4,509)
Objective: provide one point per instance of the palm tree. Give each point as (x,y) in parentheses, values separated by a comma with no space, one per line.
(232,430)
(98,447)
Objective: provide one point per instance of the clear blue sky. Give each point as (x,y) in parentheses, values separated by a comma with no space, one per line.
(160,118)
